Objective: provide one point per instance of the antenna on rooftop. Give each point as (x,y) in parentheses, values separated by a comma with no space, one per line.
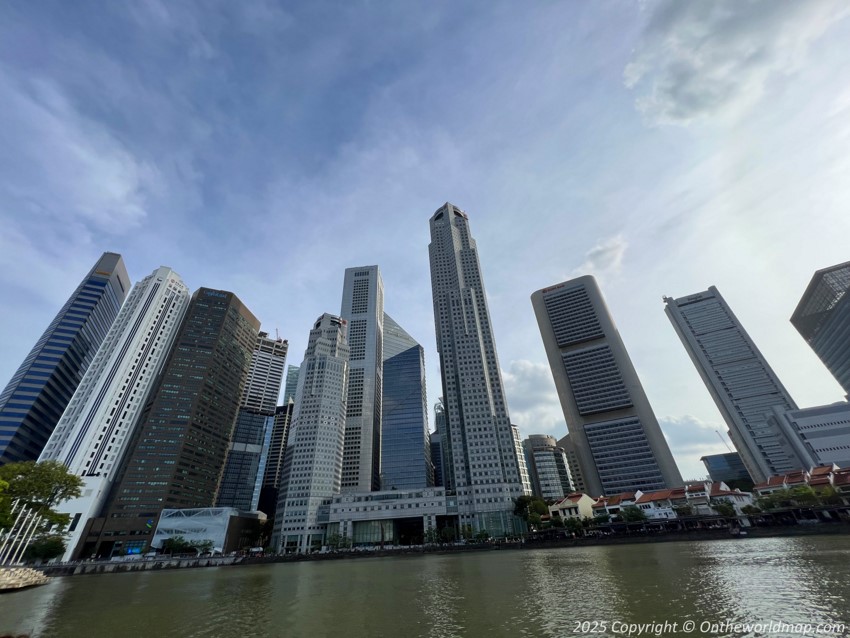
(723,440)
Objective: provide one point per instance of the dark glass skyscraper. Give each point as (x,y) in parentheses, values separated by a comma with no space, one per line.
(35,398)
(177,455)
(405,439)
(823,319)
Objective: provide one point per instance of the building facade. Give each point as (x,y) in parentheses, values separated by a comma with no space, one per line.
(312,466)
(248,451)
(405,436)
(612,427)
(97,427)
(547,467)
(725,467)
(176,457)
(38,393)
(291,384)
(742,384)
(823,319)
(363,310)
(566,444)
(822,433)
(481,452)
(270,488)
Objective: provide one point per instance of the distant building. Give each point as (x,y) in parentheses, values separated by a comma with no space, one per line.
(437,458)
(612,427)
(742,384)
(312,466)
(273,474)
(482,450)
(573,463)
(405,437)
(177,453)
(38,393)
(823,319)
(822,433)
(363,311)
(291,384)
(99,424)
(547,467)
(440,432)
(725,467)
(249,445)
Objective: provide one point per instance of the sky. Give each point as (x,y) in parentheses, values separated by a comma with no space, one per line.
(264,147)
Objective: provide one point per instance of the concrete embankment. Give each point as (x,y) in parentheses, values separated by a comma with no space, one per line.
(117,567)
(14,578)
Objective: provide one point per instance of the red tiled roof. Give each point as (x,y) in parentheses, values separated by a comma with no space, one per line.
(658,495)
(822,470)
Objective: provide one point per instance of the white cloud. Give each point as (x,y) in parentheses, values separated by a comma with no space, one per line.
(605,258)
(533,400)
(697,59)
(691,438)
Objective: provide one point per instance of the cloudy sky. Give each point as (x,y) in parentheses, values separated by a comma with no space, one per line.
(263,148)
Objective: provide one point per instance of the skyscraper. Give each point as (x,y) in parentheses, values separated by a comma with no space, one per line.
(405,438)
(612,427)
(312,466)
(740,381)
(548,467)
(291,384)
(96,428)
(38,393)
(823,319)
(176,457)
(363,310)
(270,488)
(248,451)
(482,454)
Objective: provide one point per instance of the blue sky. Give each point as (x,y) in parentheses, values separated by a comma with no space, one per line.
(263,148)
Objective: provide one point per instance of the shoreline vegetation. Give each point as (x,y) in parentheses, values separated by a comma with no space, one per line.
(625,538)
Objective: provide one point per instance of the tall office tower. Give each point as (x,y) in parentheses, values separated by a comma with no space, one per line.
(39,392)
(616,436)
(98,425)
(405,437)
(363,309)
(312,466)
(739,379)
(725,467)
(176,456)
(484,459)
(444,461)
(437,458)
(566,444)
(823,319)
(246,459)
(270,488)
(548,467)
(291,384)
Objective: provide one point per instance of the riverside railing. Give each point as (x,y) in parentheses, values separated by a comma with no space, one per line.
(14,542)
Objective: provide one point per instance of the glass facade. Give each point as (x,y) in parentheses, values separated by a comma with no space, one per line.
(406,446)
(725,467)
(239,482)
(823,319)
(37,395)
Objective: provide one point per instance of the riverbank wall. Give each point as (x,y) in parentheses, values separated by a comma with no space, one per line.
(119,567)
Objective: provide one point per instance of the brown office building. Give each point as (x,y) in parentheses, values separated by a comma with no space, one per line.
(178,454)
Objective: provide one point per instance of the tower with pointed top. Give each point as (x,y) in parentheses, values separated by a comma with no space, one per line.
(483,455)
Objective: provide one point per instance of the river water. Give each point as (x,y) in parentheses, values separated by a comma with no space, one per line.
(589,591)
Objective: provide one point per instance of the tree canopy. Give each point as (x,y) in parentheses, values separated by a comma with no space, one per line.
(41,486)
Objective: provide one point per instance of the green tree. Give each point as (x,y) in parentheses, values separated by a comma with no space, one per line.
(41,486)
(683,510)
(632,514)
(724,508)
(522,507)
(466,532)
(431,536)
(574,526)
(829,496)
(804,496)
(750,510)
(45,548)
(539,506)
(557,521)
(483,535)
(176,545)
(448,534)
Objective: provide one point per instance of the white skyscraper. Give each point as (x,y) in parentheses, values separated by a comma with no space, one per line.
(482,453)
(740,381)
(312,466)
(363,310)
(97,426)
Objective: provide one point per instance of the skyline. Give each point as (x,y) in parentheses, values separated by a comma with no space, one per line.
(291,148)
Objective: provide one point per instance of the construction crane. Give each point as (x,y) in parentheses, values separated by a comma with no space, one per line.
(723,440)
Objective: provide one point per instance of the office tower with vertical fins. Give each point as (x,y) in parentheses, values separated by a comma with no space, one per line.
(176,457)
(312,466)
(483,456)
(548,467)
(248,454)
(363,310)
(98,425)
(823,319)
(742,384)
(612,427)
(405,437)
(38,393)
